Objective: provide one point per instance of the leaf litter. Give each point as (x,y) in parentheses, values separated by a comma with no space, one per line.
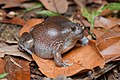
(55,5)
(98,52)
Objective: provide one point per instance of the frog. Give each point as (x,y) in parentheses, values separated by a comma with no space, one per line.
(50,39)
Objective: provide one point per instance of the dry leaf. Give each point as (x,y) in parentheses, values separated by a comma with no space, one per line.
(102,22)
(2,66)
(29,24)
(12,50)
(59,6)
(114,23)
(12,60)
(83,3)
(112,52)
(11,42)
(106,23)
(2,14)
(12,3)
(116,28)
(109,45)
(83,59)
(15,20)
(15,72)
(98,32)
(107,35)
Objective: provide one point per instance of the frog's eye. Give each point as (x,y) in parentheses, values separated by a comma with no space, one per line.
(78,24)
(73,28)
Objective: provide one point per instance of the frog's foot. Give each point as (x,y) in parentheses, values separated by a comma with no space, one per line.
(65,64)
(59,62)
(84,41)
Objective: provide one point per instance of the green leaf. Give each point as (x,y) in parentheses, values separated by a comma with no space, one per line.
(114,6)
(90,17)
(101,9)
(36,5)
(86,14)
(47,13)
(3,75)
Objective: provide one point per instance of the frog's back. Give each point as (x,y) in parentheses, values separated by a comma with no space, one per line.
(57,19)
(46,32)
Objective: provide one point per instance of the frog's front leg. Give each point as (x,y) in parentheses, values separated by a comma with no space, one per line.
(58,60)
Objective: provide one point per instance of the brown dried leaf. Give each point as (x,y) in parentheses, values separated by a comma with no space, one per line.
(15,72)
(114,23)
(106,23)
(2,14)
(112,52)
(82,3)
(109,45)
(12,50)
(106,36)
(12,3)
(29,24)
(2,66)
(15,63)
(59,6)
(15,20)
(98,32)
(116,28)
(11,42)
(102,22)
(83,59)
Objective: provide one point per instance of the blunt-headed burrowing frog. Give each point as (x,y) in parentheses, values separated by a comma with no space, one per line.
(51,38)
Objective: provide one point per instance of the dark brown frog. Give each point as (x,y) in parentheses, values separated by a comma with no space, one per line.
(51,38)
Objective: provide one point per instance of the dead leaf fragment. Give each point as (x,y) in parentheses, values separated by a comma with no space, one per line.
(2,14)
(106,23)
(15,72)
(109,45)
(98,32)
(12,60)
(29,24)
(112,52)
(2,64)
(59,6)
(15,20)
(107,35)
(83,59)
(12,50)
(11,3)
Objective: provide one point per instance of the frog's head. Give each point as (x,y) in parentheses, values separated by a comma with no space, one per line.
(77,30)
(25,42)
(73,29)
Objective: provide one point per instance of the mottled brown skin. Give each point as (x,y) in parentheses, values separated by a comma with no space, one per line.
(50,39)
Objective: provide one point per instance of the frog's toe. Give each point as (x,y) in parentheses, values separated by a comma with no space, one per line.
(65,64)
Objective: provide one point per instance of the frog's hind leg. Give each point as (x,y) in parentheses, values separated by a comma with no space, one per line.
(58,60)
